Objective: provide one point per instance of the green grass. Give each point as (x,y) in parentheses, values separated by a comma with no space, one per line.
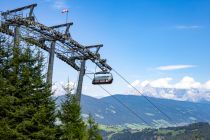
(119,128)
(110,128)
(172,132)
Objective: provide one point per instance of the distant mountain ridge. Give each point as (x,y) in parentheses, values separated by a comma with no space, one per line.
(108,111)
(193,94)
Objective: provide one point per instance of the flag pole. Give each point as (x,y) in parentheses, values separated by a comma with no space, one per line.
(67,16)
(66,11)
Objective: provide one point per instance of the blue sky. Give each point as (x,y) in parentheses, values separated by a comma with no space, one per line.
(140,38)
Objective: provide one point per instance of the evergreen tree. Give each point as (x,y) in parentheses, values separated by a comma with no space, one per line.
(26,105)
(6,88)
(72,124)
(93,131)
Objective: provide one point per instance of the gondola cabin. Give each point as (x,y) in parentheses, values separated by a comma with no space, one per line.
(102,78)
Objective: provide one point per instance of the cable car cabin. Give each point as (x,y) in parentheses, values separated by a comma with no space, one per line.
(102,78)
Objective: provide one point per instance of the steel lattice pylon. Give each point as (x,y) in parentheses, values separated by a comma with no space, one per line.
(26,28)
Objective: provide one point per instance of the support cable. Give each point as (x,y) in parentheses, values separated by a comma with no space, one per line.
(156,107)
(123,104)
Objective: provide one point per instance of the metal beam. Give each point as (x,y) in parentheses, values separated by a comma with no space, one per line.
(62,25)
(80,81)
(95,46)
(51,63)
(16,37)
(20,9)
(69,61)
(40,43)
(67,25)
(68,42)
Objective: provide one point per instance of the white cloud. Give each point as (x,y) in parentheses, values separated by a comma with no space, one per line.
(188,27)
(207,85)
(162,82)
(145,83)
(187,83)
(187,89)
(134,83)
(58,88)
(137,83)
(174,67)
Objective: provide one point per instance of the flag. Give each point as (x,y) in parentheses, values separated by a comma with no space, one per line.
(65,10)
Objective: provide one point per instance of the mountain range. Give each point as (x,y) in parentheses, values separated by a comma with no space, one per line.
(110,111)
(193,94)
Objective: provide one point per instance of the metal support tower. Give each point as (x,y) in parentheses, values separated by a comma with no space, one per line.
(80,81)
(29,30)
(16,37)
(51,63)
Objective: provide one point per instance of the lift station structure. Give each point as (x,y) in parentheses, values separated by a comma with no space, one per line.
(22,25)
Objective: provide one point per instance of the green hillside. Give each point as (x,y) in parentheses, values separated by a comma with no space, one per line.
(196,131)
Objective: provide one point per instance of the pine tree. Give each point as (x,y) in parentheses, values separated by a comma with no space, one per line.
(6,100)
(26,106)
(93,131)
(70,115)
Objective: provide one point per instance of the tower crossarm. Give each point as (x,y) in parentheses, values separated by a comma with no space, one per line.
(68,43)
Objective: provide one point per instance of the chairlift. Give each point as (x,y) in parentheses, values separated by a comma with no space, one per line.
(102,78)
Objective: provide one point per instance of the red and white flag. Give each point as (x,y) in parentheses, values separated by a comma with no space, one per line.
(65,10)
